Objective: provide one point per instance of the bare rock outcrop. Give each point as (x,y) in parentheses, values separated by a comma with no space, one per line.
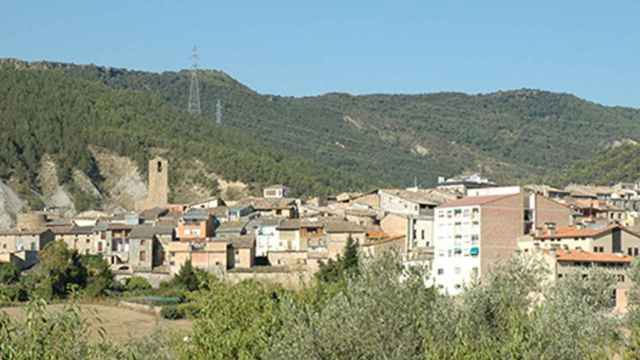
(10,205)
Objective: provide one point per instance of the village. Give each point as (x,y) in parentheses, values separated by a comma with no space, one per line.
(458,230)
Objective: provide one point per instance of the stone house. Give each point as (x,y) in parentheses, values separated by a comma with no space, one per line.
(338,233)
(196,224)
(211,256)
(232,229)
(244,251)
(148,247)
(81,239)
(21,247)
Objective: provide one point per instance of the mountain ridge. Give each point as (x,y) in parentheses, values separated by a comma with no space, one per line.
(512,136)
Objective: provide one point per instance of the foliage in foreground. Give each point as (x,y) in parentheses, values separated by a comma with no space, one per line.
(383,311)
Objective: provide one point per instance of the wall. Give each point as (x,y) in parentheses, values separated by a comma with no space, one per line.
(141,254)
(395,204)
(244,257)
(394,225)
(370,200)
(549,211)
(502,223)
(289,280)
(288,258)
(267,239)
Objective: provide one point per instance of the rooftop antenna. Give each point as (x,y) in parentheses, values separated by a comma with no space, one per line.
(194,87)
(219,112)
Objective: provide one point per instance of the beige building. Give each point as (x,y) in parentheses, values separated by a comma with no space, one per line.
(82,239)
(338,233)
(212,256)
(244,251)
(607,239)
(21,247)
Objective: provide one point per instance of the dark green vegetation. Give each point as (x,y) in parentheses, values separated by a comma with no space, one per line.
(316,144)
(508,135)
(50,112)
(617,164)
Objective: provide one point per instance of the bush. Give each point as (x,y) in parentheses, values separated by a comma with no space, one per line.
(172,312)
(137,283)
(9,274)
(189,310)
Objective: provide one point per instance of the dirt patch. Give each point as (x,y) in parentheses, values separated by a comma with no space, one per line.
(119,323)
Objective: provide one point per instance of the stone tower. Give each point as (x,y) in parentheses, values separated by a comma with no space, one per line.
(158,195)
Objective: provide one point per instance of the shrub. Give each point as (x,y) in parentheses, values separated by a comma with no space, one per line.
(137,283)
(9,274)
(172,312)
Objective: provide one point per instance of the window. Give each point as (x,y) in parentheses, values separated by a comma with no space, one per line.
(620,278)
(630,251)
(422,235)
(143,255)
(99,247)
(88,241)
(635,251)
(440,271)
(141,242)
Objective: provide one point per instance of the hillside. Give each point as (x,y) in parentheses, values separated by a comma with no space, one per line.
(45,112)
(320,144)
(508,135)
(619,163)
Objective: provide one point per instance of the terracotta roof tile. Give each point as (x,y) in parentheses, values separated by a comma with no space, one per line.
(578,255)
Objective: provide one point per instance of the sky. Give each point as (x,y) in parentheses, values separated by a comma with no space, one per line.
(301,48)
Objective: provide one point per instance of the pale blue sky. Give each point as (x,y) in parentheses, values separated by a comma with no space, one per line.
(589,48)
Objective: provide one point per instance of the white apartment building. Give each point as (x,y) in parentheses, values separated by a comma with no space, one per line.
(457,247)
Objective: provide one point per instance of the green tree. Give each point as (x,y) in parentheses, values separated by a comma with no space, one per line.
(235,322)
(60,269)
(9,274)
(344,266)
(187,278)
(100,277)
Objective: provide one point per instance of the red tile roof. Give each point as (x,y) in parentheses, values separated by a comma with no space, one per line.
(574,232)
(578,255)
(474,200)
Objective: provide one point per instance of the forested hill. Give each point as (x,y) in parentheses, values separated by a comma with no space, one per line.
(46,111)
(508,135)
(348,141)
(620,163)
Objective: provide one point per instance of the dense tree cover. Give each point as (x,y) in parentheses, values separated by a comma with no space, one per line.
(48,112)
(620,163)
(383,139)
(508,135)
(60,273)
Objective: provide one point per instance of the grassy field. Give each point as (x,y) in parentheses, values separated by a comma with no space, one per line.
(120,324)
